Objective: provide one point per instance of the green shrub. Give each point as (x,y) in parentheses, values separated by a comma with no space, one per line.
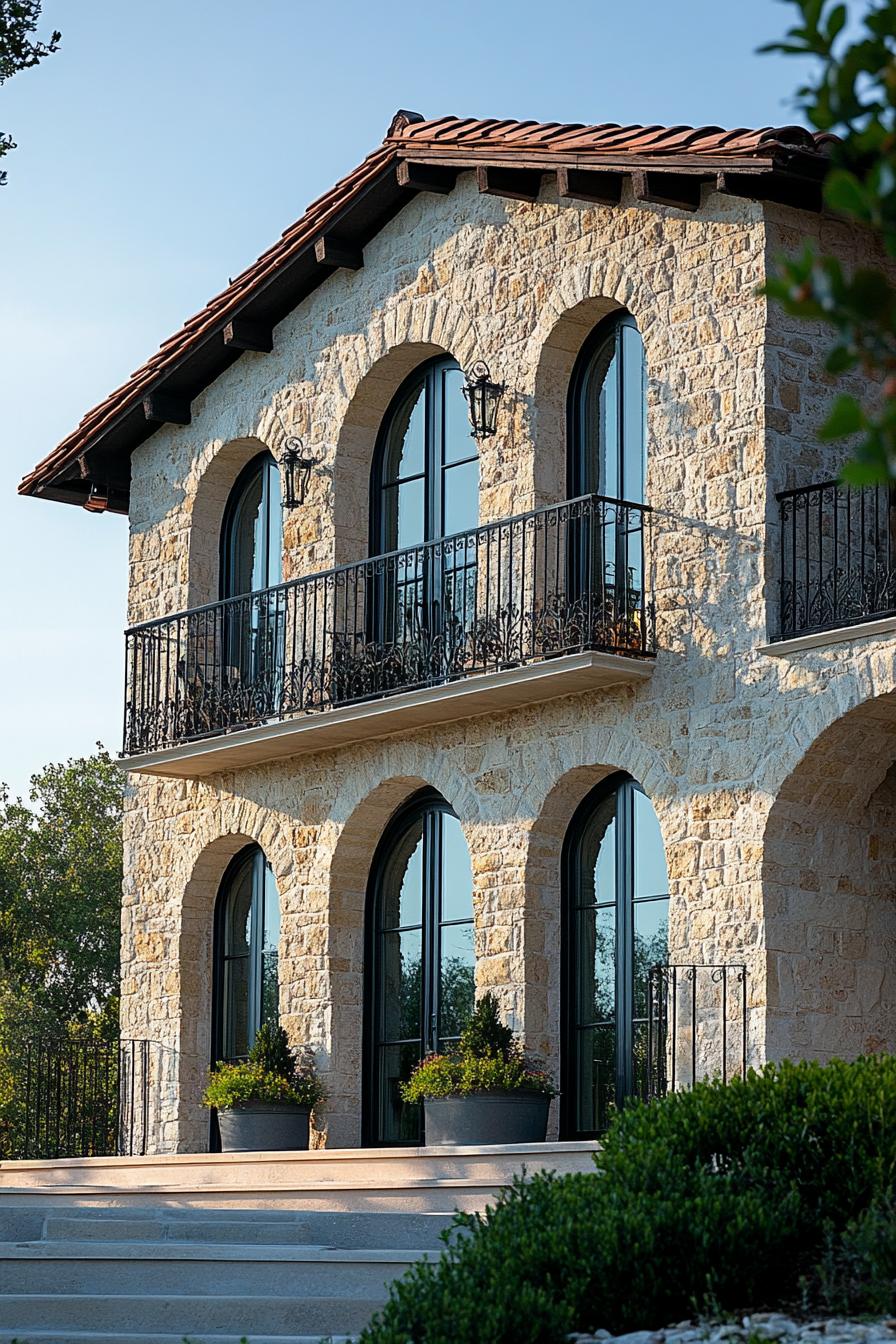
(447,1076)
(720,1199)
(273,1073)
(486,1059)
(857,1275)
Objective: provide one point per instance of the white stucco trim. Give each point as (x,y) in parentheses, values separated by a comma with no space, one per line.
(819,639)
(483,694)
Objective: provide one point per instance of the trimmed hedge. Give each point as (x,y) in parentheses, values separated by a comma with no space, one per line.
(733,1196)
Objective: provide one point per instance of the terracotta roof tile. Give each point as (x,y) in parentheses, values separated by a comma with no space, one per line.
(440,135)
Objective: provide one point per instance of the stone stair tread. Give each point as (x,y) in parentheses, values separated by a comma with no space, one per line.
(178,1250)
(21,1314)
(200,1337)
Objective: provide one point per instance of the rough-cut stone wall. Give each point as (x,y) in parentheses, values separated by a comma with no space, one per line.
(711,737)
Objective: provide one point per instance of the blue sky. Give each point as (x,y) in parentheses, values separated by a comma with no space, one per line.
(168,143)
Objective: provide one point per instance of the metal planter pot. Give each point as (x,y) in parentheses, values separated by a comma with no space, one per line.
(264,1128)
(486,1118)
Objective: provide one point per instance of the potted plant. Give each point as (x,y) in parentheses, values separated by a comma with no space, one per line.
(485,1090)
(264,1103)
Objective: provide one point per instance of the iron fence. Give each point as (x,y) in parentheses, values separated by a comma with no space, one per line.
(563,579)
(696,1026)
(83,1099)
(838,556)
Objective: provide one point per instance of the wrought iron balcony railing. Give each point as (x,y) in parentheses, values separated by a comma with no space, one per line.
(838,557)
(564,579)
(696,1026)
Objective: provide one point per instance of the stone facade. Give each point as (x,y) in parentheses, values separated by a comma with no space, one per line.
(769,775)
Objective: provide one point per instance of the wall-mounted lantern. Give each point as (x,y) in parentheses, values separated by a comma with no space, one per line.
(482,397)
(297,469)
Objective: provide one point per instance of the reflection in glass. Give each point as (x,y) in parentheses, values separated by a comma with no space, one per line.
(608,402)
(616,929)
(423,964)
(248,953)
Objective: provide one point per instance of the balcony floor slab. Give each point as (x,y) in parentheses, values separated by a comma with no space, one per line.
(465,698)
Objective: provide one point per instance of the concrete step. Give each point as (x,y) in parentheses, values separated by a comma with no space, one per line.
(165,1268)
(59,1314)
(412,1231)
(402,1179)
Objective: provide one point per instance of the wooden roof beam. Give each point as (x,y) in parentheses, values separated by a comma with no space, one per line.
(519,184)
(680,190)
(800,192)
(167,408)
(329,250)
(587,184)
(426,177)
(243,334)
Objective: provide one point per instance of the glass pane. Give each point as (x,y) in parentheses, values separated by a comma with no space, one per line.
(235,1042)
(597,856)
(651,878)
(608,414)
(457,983)
(270,951)
(400,986)
(410,520)
(596,965)
(651,945)
(634,414)
(272,570)
(241,544)
(405,453)
(595,1077)
(398,1122)
(402,889)
(460,506)
(458,439)
(238,912)
(457,874)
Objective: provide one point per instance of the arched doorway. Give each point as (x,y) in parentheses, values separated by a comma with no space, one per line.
(420,965)
(615,927)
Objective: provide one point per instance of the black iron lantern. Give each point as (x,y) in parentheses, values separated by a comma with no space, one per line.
(482,397)
(297,469)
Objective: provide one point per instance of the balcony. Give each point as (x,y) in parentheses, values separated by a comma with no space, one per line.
(543,604)
(838,561)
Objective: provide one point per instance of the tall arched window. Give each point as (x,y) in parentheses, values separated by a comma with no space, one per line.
(420,965)
(252,534)
(424,486)
(616,909)
(608,413)
(253,623)
(247,938)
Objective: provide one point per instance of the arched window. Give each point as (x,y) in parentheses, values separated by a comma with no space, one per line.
(252,534)
(247,937)
(253,622)
(424,486)
(608,413)
(420,964)
(616,909)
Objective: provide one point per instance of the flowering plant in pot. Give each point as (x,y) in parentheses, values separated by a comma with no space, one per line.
(483,1091)
(264,1103)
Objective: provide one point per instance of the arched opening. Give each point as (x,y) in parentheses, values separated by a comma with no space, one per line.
(252,530)
(420,964)
(829,892)
(607,413)
(425,486)
(615,927)
(246,960)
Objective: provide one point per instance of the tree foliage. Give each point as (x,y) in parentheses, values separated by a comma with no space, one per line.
(852,94)
(60,897)
(19,49)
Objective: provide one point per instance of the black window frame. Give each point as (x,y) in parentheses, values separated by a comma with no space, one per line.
(251,853)
(623,787)
(579,451)
(264,459)
(429,805)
